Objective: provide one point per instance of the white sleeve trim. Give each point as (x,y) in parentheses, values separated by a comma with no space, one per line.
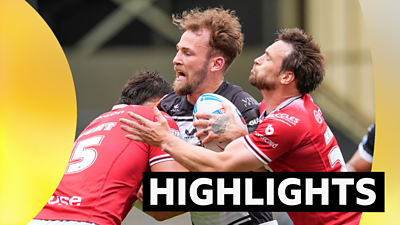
(255,150)
(160,158)
(364,154)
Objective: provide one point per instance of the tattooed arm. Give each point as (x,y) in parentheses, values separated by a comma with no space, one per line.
(222,128)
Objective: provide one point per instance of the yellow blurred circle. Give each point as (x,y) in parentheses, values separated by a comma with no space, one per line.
(382,23)
(37,112)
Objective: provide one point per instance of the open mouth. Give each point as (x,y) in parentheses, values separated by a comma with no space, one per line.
(180,74)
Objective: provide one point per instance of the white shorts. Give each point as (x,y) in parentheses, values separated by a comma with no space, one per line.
(58,222)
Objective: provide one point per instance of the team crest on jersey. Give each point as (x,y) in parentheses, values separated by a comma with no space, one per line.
(318,115)
(190,133)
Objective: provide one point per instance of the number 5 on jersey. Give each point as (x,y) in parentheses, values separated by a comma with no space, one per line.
(83,156)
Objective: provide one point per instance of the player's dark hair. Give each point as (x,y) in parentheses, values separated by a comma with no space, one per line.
(226,36)
(305,60)
(144,86)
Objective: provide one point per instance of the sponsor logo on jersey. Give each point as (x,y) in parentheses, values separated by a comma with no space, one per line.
(286,118)
(175,108)
(105,126)
(266,140)
(187,131)
(249,101)
(63,200)
(318,115)
(190,133)
(254,122)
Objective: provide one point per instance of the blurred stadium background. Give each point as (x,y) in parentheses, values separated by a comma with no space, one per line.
(106,41)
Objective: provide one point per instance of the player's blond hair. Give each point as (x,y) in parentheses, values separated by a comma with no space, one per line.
(226,36)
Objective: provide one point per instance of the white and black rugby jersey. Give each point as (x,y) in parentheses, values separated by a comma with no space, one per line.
(181,110)
(366,146)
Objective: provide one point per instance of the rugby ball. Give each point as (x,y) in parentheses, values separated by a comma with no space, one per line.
(212,103)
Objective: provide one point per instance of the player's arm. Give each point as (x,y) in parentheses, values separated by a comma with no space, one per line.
(166,166)
(236,156)
(358,164)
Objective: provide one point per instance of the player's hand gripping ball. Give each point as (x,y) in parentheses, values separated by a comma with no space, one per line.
(212,103)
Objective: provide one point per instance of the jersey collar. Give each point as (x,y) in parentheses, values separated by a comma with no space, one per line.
(280,106)
(119,106)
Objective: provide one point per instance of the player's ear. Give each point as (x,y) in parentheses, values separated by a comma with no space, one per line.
(217,63)
(287,77)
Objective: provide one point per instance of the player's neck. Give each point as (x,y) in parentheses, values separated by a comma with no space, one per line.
(275,97)
(206,87)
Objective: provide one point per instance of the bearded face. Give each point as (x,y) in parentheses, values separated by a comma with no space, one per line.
(262,82)
(190,82)
(191,61)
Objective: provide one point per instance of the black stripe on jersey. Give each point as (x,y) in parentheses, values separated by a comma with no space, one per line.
(180,119)
(255,150)
(241,221)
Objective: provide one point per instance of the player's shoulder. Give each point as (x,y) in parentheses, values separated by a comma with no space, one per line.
(240,98)
(170,98)
(169,101)
(116,111)
(140,110)
(229,90)
(292,113)
(166,116)
(303,107)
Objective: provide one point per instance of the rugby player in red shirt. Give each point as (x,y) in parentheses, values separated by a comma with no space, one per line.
(105,170)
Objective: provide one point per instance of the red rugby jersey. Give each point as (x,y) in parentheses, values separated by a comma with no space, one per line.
(105,171)
(295,138)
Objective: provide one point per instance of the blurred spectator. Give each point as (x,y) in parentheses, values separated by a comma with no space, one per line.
(361,161)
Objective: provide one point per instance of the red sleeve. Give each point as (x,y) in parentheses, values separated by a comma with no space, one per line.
(274,137)
(157,155)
